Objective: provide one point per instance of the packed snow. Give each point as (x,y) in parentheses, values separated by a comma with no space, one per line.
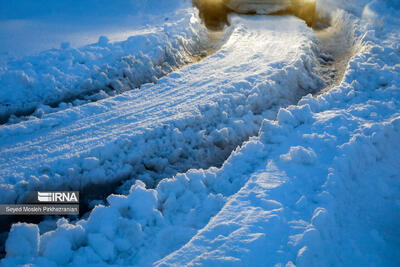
(313,179)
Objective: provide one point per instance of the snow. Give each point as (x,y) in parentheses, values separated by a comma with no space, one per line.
(180,122)
(343,209)
(317,184)
(98,69)
(23,240)
(300,155)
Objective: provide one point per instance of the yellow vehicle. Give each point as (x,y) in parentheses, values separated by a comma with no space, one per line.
(257,6)
(304,9)
(215,12)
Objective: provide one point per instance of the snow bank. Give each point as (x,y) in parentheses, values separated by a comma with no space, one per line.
(101,69)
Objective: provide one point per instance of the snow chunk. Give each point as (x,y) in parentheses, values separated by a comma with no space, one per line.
(23,240)
(96,222)
(143,203)
(57,249)
(300,155)
(286,117)
(102,246)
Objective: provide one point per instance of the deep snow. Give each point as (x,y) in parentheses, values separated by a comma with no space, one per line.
(318,186)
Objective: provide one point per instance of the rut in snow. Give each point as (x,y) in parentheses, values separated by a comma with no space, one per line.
(193,118)
(338,45)
(336,39)
(211,150)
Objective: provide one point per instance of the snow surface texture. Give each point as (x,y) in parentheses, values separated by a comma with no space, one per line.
(100,69)
(325,189)
(319,186)
(183,121)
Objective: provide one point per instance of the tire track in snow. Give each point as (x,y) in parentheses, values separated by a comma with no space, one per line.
(333,29)
(338,45)
(192,118)
(115,203)
(150,172)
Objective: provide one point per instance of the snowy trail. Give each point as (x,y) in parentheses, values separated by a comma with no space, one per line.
(338,45)
(295,195)
(183,121)
(321,182)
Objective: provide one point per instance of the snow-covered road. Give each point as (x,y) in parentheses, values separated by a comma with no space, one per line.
(229,161)
(191,118)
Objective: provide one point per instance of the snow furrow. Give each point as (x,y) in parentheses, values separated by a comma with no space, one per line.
(338,45)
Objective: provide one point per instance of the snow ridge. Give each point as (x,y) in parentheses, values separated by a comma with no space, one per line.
(98,70)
